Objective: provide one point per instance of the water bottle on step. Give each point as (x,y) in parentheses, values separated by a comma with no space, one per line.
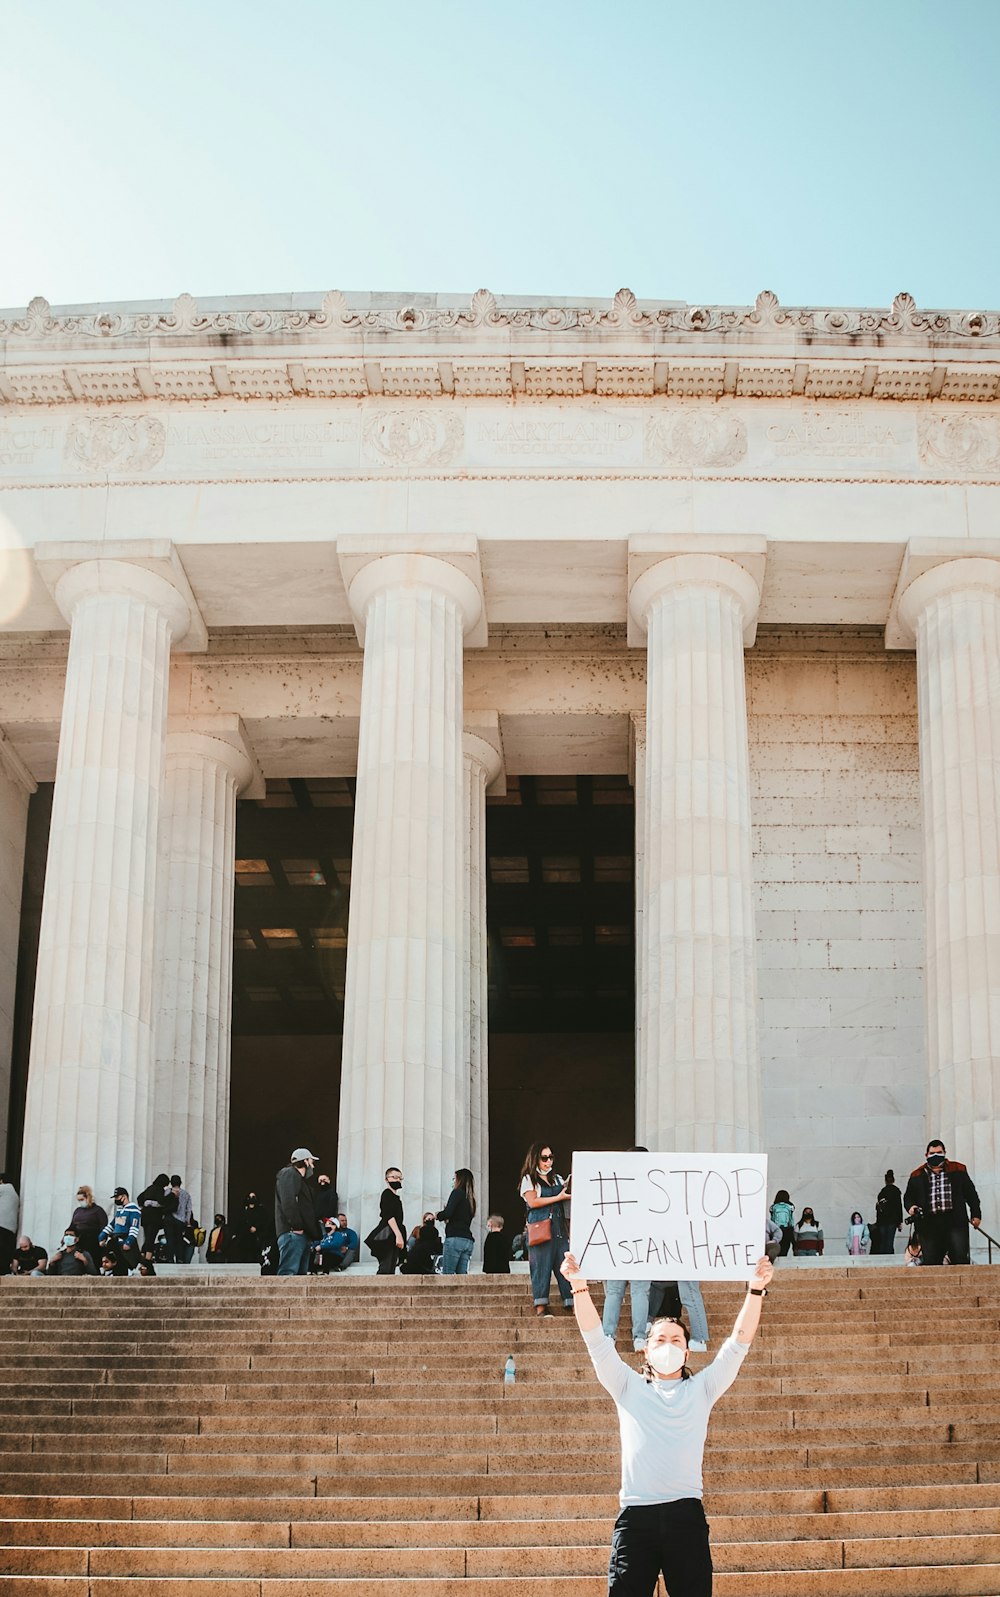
(509,1375)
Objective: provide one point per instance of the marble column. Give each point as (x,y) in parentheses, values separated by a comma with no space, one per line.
(699,1083)
(208,763)
(953,614)
(483,763)
(404,1031)
(16,787)
(89,1077)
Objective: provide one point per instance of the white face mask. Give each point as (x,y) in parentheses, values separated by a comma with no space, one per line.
(69,1243)
(666,1358)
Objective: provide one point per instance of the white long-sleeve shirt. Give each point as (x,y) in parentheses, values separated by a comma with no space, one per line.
(663,1424)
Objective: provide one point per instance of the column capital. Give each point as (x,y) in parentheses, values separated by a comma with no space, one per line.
(12,763)
(932,568)
(655,567)
(451,565)
(222,738)
(141,568)
(482,743)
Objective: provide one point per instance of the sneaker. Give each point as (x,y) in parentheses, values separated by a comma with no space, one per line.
(697,1347)
(639,1344)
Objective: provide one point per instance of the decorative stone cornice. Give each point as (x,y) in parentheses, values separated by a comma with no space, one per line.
(430,348)
(429,314)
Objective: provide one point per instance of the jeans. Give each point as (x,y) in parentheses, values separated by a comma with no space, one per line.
(614,1297)
(655,1537)
(692,1300)
(293,1253)
(544,1259)
(457,1253)
(945,1233)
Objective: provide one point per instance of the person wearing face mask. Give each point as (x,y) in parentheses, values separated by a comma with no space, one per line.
(88,1221)
(545,1197)
(253,1231)
(389,1250)
(663,1416)
(295,1221)
(808,1241)
(71,1258)
(941,1199)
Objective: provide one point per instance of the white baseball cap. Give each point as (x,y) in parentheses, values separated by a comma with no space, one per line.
(302,1153)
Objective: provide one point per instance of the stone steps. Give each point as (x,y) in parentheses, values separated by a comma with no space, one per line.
(270,1443)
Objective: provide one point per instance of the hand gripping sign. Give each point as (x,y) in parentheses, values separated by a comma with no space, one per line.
(668,1216)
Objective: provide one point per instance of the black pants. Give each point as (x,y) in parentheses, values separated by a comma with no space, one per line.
(671,1538)
(883,1238)
(945,1233)
(388,1261)
(8,1242)
(787,1238)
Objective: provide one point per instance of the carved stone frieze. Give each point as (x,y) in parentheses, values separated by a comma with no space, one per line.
(624,313)
(116,443)
(413,437)
(965,443)
(691,439)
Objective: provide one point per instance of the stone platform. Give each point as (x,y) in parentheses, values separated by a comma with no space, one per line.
(222,1436)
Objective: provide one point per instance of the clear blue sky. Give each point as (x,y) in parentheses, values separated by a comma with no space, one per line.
(833,152)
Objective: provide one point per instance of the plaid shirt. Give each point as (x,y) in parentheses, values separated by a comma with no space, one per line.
(940,1185)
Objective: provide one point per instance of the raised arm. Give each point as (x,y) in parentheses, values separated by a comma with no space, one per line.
(587,1317)
(748,1318)
(612,1372)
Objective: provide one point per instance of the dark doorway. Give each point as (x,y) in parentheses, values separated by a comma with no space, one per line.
(293,879)
(560,911)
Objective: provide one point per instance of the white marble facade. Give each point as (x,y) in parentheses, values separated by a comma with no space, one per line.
(428,543)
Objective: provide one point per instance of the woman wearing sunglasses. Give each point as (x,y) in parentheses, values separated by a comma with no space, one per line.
(545,1196)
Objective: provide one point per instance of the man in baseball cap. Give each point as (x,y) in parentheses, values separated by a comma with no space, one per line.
(295,1220)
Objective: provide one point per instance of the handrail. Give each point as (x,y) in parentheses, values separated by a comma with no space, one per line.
(991,1243)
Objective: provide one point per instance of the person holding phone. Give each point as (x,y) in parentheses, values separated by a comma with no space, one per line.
(545,1197)
(663,1415)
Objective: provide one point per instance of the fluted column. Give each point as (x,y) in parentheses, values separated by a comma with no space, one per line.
(698,1064)
(482,763)
(953,614)
(404,1031)
(89,1076)
(208,763)
(16,786)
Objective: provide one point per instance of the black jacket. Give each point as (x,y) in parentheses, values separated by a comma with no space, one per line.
(918,1190)
(457,1214)
(889,1206)
(294,1209)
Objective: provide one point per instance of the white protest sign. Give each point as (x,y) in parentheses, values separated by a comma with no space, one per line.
(668,1216)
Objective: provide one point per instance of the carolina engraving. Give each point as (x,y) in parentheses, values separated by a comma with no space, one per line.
(964,443)
(843,435)
(690,439)
(116,443)
(413,438)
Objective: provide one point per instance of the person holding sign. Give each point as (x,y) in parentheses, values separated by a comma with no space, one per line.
(663,1417)
(545,1197)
